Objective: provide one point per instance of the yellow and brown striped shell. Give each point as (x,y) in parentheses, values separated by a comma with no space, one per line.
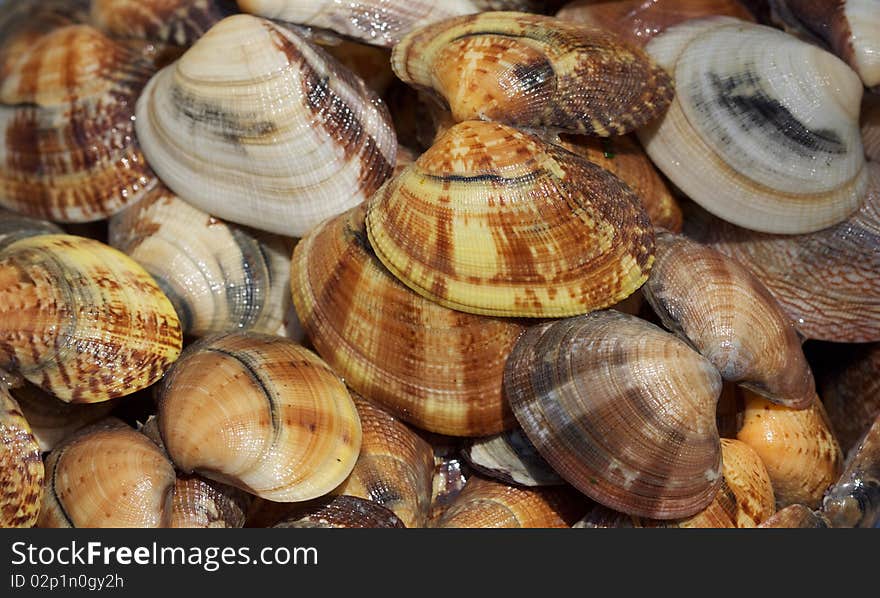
(21,466)
(178,22)
(439,369)
(534,71)
(81,320)
(491,220)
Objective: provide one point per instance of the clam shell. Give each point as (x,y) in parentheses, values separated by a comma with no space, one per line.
(83,321)
(179,22)
(66,115)
(200,503)
(220,277)
(622,410)
(731,318)
(436,368)
(763,131)
(24,22)
(256,125)
(341,512)
(491,220)
(850,392)
(14,227)
(21,466)
(534,71)
(854,500)
(511,458)
(260,413)
(796,517)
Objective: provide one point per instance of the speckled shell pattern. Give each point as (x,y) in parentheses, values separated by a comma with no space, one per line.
(721,308)
(256,125)
(491,220)
(534,71)
(622,410)
(66,115)
(341,512)
(511,458)
(81,320)
(434,367)
(21,466)
(854,500)
(198,503)
(177,22)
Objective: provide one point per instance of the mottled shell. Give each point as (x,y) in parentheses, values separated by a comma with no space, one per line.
(256,125)
(797,446)
(763,131)
(220,277)
(15,226)
(731,318)
(854,500)
(494,221)
(436,368)
(395,467)
(511,458)
(260,413)
(66,117)
(21,466)
(534,71)
(82,320)
(489,504)
(622,410)
(200,503)
(179,22)
(23,22)
(341,512)
(850,390)
(109,476)
(796,517)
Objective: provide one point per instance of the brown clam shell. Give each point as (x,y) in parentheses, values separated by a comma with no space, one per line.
(796,517)
(178,22)
(850,392)
(15,226)
(341,512)
(622,410)
(854,500)
(731,318)
(534,71)
(21,466)
(200,503)
(436,368)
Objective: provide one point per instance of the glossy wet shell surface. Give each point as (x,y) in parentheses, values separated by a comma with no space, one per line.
(21,466)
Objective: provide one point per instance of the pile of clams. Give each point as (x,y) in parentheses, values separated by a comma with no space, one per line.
(385,263)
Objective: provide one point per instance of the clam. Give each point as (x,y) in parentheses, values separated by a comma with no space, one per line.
(340,512)
(825,281)
(796,517)
(220,277)
(622,410)
(178,22)
(511,458)
(260,413)
(256,125)
(200,503)
(534,71)
(491,220)
(15,226)
(439,369)
(21,466)
(854,500)
(763,131)
(850,391)
(81,320)
(798,448)
(66,115)
(731,318)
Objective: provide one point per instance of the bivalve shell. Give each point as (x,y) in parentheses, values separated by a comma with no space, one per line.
(178,22)
(21,466)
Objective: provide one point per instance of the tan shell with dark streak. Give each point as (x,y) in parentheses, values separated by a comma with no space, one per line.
(850,392)
(178,22)
(200,503)
(731,318)
(436,368)
(796,517)
(854,500)
(341,512)
(21,466)
(494,221)
(534,71)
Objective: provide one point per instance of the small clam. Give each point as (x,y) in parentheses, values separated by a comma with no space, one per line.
(850,391)
(534,71)
(21,466)
(220,277)
(763,131)
(179,22)
(731,318)
(200,503)
(622,410)
(340,512)
(66,118)
(256,125)
(797,446)
(796,517)
(494,221)
(82,320)
(436,368)
(260,413)
(854,500)
(511,458)
(14,227)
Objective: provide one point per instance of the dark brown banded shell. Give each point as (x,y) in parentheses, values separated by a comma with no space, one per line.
(200,503)
(21,466)
(341,512)
(622,410)
(178,22)
(850,390)
(796,517)
(436,368)
(534,71)
(854,500)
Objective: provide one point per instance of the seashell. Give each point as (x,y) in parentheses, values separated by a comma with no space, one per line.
(14,227)
(436,368)
(260,413)
(66,114)
(854,501)
(740,115)
(511,458)
(107,476)
(21,466)
(625,158)
(395,467)
(850,391)
(870,120)
(179,22)
(717,305)
(83,321)
(220,277)
(622,410)
(24,22)
(488,504)
(797,446)
(200,503)
(534,71)
(256,125)
(825,281)
(493,221)
(341,512)
(638,21)
(796,516)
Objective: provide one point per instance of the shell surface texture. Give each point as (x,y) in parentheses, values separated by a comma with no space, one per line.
(15,226)
(340,512)
(199,503)
(854,501)
(178,22)
(21,466)
(511,458)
